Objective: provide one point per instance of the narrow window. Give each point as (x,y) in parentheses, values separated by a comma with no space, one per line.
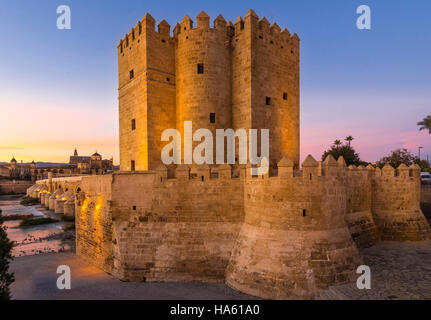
(304,212)
(133,165)
(131,74)
(133,124)
(167,79)
(134,207)
(268,101)
(285,96)
(200,68)
(163,40)
(212,117)
(202,178)
(140,27)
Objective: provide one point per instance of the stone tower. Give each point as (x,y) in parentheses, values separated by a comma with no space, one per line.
(241,75)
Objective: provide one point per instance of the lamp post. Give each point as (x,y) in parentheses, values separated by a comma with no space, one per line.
(420,152)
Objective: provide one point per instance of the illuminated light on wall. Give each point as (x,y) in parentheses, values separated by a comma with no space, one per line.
(64,198)
(98,233)
(84,206)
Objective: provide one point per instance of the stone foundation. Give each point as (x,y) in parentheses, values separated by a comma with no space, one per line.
(362,228)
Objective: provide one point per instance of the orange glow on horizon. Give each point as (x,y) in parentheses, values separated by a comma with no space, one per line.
(50,134)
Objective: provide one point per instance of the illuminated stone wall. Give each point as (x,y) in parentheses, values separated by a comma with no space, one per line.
(93,222)
(284,236)
(243,65)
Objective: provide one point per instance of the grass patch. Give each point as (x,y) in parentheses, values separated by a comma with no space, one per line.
(17,217)
(36,222)
(29,201)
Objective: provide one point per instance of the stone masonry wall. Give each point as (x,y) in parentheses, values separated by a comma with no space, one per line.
(294,240)
(175,229)
(17,187)
(359,217)
(277,237)
(244,65)
(396,204)
(93,221)
(426,200)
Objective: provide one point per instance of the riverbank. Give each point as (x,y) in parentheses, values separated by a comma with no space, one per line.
(32,240)
(36,278)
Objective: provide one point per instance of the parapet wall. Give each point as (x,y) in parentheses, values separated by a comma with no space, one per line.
(396,204)
(10,187)
(283,236)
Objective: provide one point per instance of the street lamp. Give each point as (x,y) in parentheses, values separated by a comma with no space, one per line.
(420,152)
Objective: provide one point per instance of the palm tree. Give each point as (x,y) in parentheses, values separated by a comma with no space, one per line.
(349,139)
(425,124)
(337,143)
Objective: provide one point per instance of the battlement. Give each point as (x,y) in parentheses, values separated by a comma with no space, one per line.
(185,28)
(203,72)
(148,26)
(311,171)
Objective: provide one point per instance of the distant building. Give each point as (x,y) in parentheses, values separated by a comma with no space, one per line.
(78,165)
(94,162)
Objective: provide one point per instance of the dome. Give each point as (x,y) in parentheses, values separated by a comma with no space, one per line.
(13,160)
(96,156)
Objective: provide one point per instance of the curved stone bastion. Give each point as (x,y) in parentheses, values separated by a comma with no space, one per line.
(278,237)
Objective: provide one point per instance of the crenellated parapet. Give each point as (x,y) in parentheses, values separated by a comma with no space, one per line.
(396,204)
(146,26)
(289,234)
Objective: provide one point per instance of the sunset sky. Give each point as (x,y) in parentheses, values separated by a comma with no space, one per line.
(58,88)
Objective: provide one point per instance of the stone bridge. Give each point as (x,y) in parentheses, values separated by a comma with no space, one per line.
(57,194)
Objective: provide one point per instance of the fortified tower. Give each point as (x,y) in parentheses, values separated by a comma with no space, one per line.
(241,75)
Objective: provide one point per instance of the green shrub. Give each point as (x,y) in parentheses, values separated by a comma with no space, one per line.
(29,201)
(36,222)
(6,278)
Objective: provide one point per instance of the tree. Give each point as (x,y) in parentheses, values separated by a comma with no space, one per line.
(425,124)
(398,157)
(348,152)
(349,139)
(6,278)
